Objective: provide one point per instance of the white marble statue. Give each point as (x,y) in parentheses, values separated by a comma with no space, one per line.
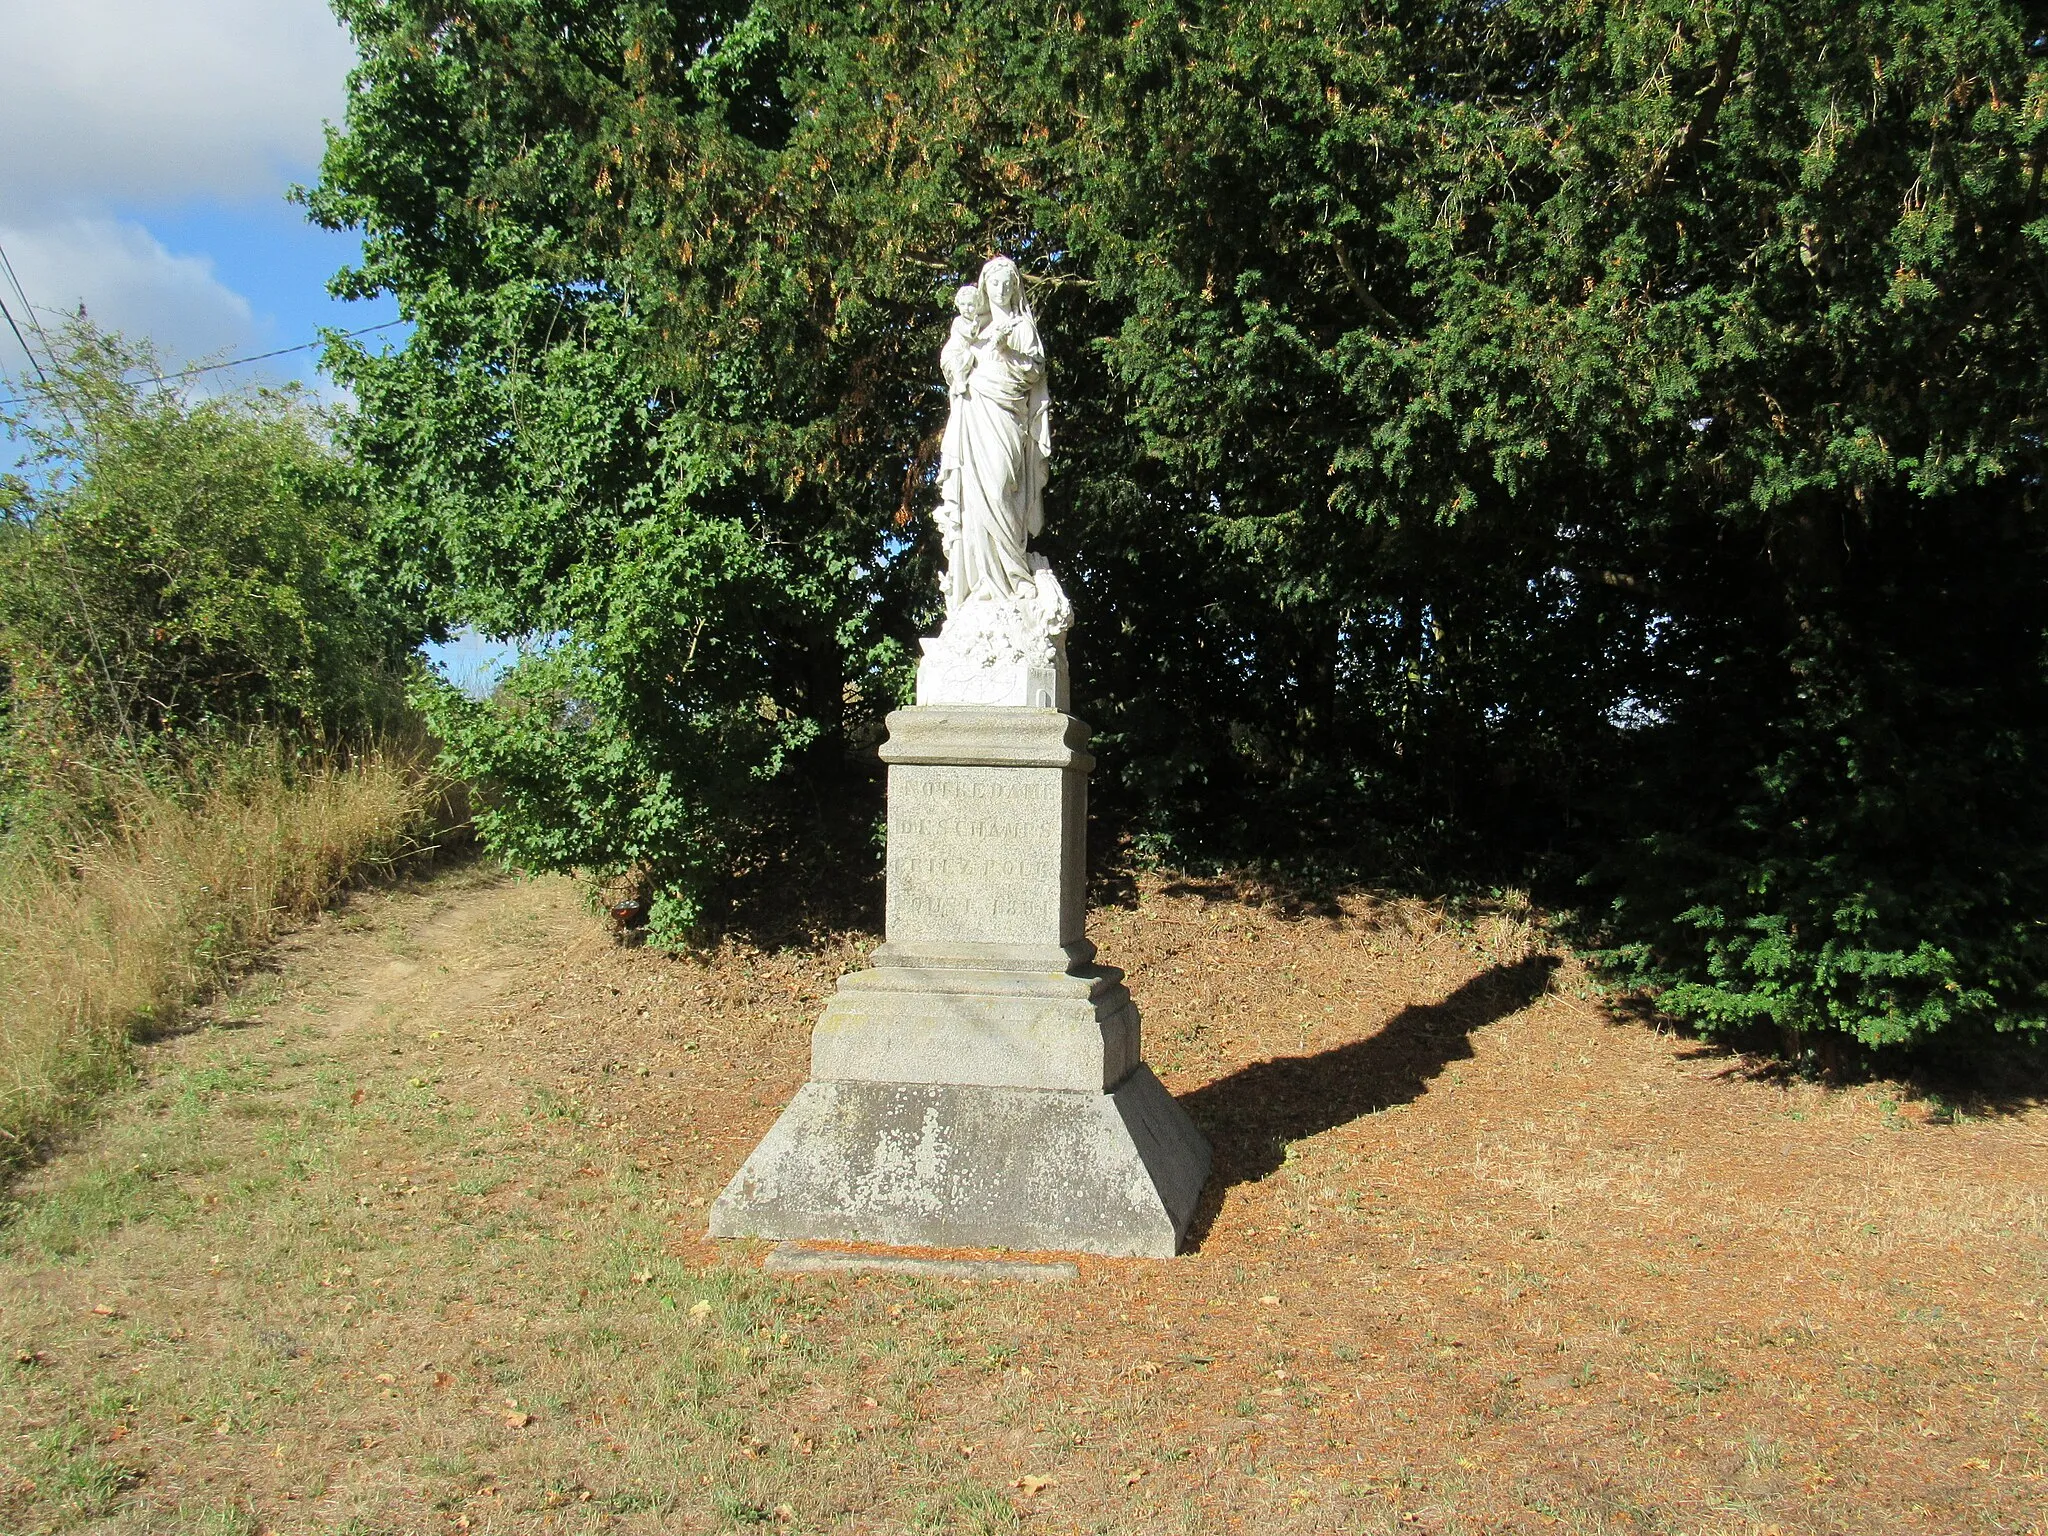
(1004,639)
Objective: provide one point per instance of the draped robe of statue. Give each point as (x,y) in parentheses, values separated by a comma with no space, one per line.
(1006,617)
(1002,441)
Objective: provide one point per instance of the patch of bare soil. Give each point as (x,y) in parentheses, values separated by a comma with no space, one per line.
(411,1240)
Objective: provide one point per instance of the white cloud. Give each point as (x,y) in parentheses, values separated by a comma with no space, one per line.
(128,282)
(159,101)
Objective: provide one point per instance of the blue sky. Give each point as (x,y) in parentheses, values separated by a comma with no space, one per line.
(149,148)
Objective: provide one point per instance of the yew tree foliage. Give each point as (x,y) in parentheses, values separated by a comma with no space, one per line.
(1605,438)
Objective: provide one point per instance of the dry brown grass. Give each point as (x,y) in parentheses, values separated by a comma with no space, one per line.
(410,1240)
(113,936)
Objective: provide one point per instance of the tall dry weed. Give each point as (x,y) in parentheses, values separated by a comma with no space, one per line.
(108,942)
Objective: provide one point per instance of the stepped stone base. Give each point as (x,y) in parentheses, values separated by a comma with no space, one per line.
(982,1085)
(995,1029)
(957,1165)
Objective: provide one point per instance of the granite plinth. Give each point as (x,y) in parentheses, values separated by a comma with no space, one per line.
(999,1029)
(952,1165)
(797,1259)
(983,1083)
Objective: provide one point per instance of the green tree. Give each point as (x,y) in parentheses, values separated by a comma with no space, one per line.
(1604,436)
(172,565)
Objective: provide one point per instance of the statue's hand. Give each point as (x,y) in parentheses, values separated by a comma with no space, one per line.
(1019,338)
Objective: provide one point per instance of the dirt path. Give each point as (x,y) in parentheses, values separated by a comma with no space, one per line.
(408,1239)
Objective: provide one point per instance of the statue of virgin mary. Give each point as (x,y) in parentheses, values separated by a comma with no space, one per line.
(1006,617)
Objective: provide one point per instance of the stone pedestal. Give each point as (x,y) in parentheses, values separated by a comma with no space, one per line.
(982,1084)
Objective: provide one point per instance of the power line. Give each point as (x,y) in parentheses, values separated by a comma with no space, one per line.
(26,351)
(186,373)
(28,310)
(280,352)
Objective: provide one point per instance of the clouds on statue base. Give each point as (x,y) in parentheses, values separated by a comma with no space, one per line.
(1002,650)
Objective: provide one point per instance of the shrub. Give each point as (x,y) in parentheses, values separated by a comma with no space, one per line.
(178,563)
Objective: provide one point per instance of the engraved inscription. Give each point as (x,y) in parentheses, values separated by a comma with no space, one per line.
(978,854)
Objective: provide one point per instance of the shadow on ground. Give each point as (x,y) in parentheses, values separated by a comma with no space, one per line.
(1251,1115)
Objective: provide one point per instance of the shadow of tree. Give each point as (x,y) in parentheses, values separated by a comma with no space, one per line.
(1252,1115)
(1292,898)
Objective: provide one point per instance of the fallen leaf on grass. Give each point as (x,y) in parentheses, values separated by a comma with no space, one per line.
(1269,1301)
(644,1276)
(1131,1478)
(1032,1486)
(518,1420)
(104,1311)
(700,1310)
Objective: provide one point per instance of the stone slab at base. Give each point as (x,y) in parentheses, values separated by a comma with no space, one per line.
(956,1165)
(981,1085)
(997,1029)
(791,1259)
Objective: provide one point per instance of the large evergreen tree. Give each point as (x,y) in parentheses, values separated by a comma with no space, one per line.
(1603,434)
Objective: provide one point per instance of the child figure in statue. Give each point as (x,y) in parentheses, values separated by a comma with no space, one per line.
(956,362)
(970,315)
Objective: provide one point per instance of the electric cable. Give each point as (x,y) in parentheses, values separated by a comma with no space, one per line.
(186,373)
(26,350)
(28,310)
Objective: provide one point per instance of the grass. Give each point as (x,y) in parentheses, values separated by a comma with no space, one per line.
(407,1237)
(107,936)
(322,1256)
